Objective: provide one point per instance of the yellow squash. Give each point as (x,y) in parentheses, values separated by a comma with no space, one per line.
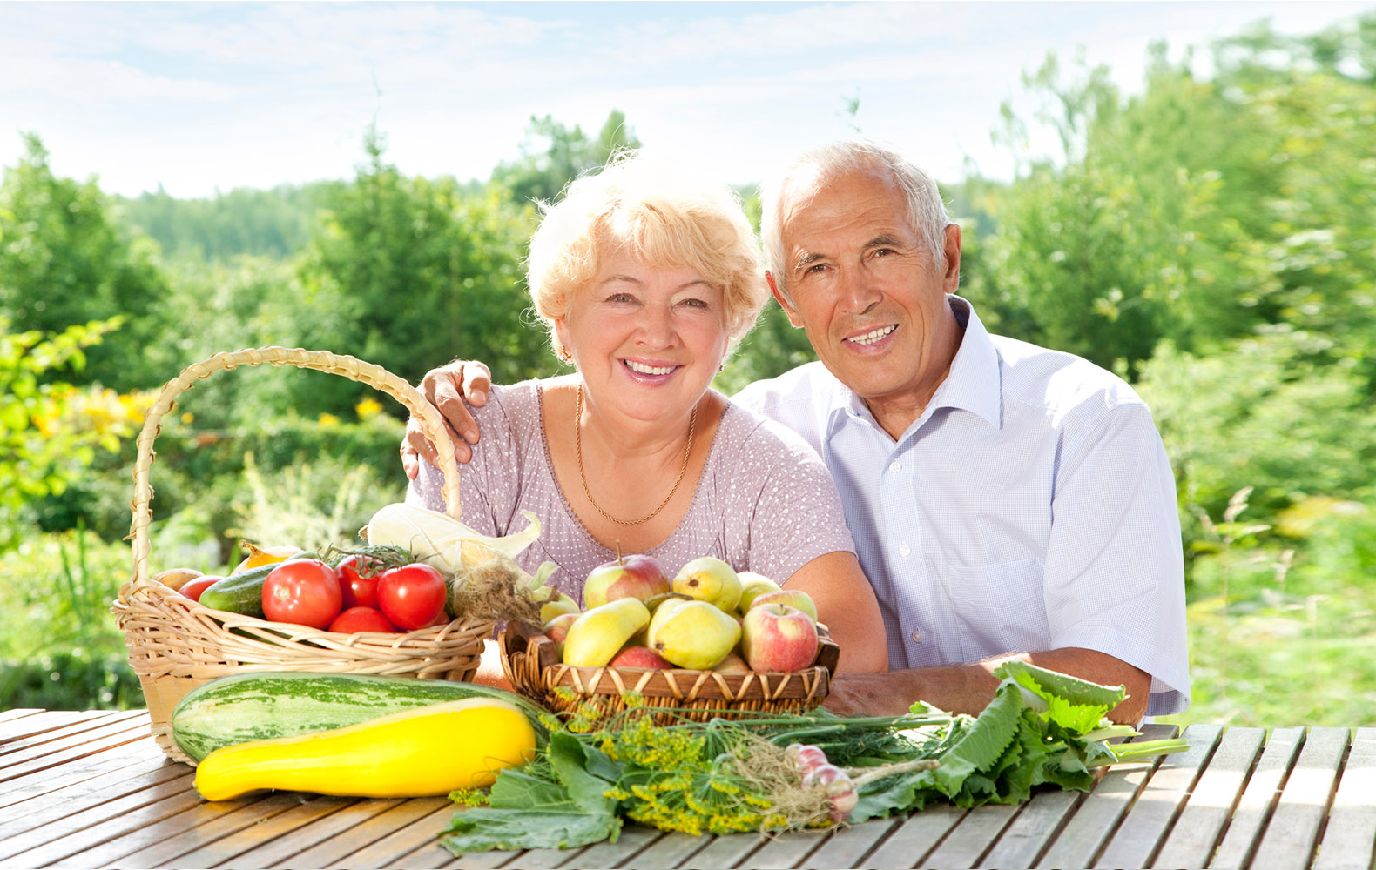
(430,750)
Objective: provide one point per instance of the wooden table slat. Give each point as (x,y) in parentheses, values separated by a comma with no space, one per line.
(914,837)
(787,850)
(1294,827)
(972,837)
(669,852)
(1258,797)
(729,850)
(15,713)
(19,732)
(846,846)
(390,817)
(37,759)
(1139,833)
(17,793)
(47,732)
(303,811)
(200,827)
(1030,831)
(74,836)
(283,848)
(1096,816)
(1349,838)
(116,782)
(623,853)
(1196,832)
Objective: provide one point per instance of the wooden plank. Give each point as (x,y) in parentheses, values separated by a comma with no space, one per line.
(71,837)
(1196,832)
(1096,816)
(913,838)
(82,797)
(1029,832)
(1349,839)
(46,732)
(1254,807)
(787,850)
(68,747)
(16,712)
(634,839)
(345,843)
(971,837)
(283,848)
(196,829)
(1294,827)
(1140,833)
(412,827)
(846,846)
(728,850)
(17,732)
(304,810)
(670,851)
(139,754)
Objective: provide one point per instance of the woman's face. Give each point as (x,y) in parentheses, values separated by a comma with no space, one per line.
(647,339)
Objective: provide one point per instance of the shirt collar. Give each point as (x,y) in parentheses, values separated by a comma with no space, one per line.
(973,384)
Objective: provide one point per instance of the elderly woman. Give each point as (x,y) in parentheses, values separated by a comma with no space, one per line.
(645,283)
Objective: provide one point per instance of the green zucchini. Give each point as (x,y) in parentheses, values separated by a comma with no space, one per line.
(247,707)
(239,593)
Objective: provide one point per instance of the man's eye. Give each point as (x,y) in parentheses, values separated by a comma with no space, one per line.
(816,268)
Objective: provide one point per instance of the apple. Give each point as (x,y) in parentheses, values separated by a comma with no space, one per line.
(777,638)
(557,628)
(639,657)
(732,664)
(790,597)
(635,576)
(557,605)
(754,585)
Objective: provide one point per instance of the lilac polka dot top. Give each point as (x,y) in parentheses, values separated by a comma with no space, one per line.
(764,502)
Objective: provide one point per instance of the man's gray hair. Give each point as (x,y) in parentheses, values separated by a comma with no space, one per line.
(926,212)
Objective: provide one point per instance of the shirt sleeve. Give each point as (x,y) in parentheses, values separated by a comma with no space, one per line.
(486,484)
(797,514)
(1114,571)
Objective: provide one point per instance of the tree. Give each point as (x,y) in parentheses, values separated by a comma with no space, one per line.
(409,273)
(552,155)
(64,261)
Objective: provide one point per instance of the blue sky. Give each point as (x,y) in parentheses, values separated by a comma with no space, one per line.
(199,97)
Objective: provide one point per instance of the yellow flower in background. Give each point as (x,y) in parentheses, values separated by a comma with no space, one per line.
(187,417)
(328,419)
(368,407)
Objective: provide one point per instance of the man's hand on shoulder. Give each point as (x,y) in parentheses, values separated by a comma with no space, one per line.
(451,389)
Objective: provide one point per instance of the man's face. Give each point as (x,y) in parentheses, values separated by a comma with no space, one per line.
(867,291)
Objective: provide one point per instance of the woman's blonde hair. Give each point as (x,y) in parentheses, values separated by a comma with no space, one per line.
(657,215)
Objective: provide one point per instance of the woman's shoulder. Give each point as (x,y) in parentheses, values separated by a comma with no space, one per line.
(748,437)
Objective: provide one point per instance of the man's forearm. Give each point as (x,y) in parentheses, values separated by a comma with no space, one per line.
(968,688)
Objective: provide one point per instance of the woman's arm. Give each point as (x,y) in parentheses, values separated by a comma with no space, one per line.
(846,604)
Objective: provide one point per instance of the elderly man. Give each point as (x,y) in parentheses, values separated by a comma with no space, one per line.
(1005,500)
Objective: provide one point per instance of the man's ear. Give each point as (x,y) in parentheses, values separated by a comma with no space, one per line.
(784,302)
(950,282)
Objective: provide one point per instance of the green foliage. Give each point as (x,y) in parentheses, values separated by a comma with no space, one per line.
(64,261)
(552,155)
(408,273)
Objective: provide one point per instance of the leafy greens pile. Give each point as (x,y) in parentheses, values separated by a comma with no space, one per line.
(732,774)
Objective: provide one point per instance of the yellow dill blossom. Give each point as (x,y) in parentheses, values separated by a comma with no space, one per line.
(469,797)
(367,408)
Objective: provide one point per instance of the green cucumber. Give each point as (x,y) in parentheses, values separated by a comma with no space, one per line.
(247,707)
(239,593)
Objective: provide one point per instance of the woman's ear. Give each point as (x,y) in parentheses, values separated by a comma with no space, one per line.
(561,335)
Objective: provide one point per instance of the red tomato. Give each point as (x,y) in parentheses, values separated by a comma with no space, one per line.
(361,619)
(193,588)
(302,591)
(358,580)
(412,595)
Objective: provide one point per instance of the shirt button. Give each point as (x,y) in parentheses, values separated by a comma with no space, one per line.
(903,549)
(916,636)
(895,466)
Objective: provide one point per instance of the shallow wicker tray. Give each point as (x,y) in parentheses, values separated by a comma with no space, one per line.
(176,644)
(530,663)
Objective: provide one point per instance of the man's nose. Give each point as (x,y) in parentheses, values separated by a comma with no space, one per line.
(858,292)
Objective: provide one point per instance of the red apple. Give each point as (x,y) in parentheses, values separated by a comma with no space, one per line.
(558,628)
(634,576)
(791,597)
(639,657)
(777,639)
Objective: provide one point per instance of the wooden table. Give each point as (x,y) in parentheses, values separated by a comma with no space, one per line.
(91,789)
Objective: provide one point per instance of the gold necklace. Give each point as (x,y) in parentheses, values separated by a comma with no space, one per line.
(578,442)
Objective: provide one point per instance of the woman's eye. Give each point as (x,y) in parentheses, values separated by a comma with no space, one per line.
(621,299)
(694,302)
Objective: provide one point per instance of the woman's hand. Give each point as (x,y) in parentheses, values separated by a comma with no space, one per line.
(451,389)
(847,606)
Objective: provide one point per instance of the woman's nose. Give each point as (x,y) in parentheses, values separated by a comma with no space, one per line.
(657,327)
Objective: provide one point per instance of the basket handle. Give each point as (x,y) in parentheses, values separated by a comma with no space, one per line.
(432,424)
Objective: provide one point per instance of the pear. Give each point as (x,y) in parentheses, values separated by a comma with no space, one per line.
(694,634)
(709,579)
(753,586)
(558,604)
(599,633)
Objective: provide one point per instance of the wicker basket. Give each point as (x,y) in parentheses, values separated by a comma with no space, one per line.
(176,644)
(535,671)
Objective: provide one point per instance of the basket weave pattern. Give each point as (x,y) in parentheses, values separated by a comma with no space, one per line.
(531,666)
(176,644)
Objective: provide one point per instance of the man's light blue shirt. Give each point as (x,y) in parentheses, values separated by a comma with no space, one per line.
(1030,507)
